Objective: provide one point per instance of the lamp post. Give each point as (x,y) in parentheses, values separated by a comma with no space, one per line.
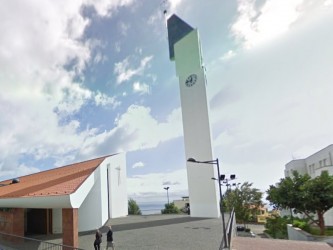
(167,189)
(216,162)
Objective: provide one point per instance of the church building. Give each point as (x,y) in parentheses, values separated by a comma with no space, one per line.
(69,199)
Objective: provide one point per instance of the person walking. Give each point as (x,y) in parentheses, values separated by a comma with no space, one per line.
(98,240)
(109,238)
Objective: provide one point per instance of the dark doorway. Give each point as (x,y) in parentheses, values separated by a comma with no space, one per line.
(39,221)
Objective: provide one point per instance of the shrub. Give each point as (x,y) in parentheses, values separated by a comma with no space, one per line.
(133,207)
(277,227)
(302,224)
(170,209)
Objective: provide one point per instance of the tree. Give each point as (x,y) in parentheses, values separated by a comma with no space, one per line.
(170,209)
(133,207)
(304,195)
(289,193)
(245,200)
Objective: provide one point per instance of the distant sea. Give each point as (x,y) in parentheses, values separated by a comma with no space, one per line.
(151,208)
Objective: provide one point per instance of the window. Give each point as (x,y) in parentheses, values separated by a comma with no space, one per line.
(311,168)
(322,163)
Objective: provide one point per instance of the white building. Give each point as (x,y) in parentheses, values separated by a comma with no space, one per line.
(70,199)
(313,165)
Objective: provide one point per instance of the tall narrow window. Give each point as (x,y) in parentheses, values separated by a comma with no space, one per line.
(118,169)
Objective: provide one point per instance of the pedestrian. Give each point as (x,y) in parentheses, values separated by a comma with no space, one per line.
(109,238)
(98,240)
(188,208)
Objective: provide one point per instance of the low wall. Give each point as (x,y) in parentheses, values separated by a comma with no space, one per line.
(12,221)
(295,233)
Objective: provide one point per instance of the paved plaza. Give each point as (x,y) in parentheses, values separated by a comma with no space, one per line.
(178,232)
(162,232)
(158,232)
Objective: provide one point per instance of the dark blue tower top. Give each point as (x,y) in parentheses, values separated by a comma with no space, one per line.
(177,29)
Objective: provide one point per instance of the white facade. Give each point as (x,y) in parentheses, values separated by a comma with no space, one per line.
(313,166)
(101,196)
(197,135)
(107,195)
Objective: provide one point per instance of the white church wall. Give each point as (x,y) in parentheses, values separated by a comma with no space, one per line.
(57,220)
(118,186)
(90,216)
(99,204)
(103,189)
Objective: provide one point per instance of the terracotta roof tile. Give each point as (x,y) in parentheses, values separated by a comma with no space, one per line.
(58,181)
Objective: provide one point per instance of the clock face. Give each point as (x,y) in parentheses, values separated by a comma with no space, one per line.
(191,80)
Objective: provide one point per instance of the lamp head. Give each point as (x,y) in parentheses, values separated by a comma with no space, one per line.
(191,160)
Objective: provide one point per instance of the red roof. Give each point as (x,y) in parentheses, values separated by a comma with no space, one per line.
(58,181)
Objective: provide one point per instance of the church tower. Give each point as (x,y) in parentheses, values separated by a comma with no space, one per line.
(185,50)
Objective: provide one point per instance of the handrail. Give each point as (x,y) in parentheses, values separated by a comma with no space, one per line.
(19,242)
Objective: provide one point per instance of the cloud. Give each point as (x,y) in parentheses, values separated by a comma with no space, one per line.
(117,46)
(141,88)
(100,58)
(168,183)
(134,130)
(20,171)
(102,99)
(42,59)
(123,27)
(139,164)
(256,25)
(106,8)
(125,71)
(328,3)
(230,54)
(140,186)
(274,101)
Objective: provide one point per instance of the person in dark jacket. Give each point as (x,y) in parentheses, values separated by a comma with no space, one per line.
(98,240)
(109,238)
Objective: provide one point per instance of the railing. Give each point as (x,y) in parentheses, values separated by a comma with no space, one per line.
(14,242)
(230,231)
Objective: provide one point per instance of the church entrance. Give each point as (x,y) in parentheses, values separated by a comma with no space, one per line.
(38,221)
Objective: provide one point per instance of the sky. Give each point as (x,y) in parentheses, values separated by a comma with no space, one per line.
(82,79)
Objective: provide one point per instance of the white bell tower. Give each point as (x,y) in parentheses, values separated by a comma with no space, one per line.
(185,50)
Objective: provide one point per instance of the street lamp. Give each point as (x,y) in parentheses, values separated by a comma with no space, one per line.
(226,180)
(216,162)
(167,189)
